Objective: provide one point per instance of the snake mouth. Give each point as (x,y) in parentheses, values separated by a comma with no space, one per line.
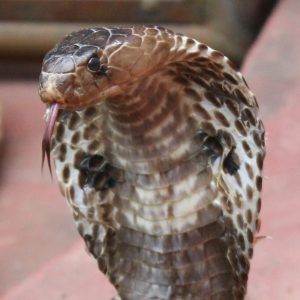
(46,143)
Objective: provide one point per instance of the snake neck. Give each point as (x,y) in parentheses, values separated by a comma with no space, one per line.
(149,128)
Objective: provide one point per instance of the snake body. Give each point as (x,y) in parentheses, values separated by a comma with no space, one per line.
(158,149)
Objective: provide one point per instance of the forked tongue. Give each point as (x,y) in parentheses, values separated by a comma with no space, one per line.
(46,143)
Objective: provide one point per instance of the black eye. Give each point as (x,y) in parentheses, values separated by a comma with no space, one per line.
(94,64)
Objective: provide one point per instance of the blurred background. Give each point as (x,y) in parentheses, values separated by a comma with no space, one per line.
(30,28)
(41,256)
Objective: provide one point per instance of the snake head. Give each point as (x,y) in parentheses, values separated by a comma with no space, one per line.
(91,65)
(73,73)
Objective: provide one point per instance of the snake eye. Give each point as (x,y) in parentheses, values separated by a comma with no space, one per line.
(94,64)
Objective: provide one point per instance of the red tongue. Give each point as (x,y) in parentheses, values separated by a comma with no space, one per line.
(47,135)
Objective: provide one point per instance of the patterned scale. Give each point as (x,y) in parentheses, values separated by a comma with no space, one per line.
(158,149)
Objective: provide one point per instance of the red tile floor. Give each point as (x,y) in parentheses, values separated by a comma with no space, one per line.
(41,256)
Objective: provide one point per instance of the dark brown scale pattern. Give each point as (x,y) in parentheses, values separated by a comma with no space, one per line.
(247,149)
(76,138)
(259,161)
(66,174)
(240,127)
(209,128)
(233,107)
(248,118)
(250,252)
(239,94)
(73,121)
(62,150)
(257,139)
(238,179)
(249,170)
(202,112)
(210,96)
(249,216)
(221,118)
(249,192)
(94,146)
(238,202)
(60,130)
(258,206)
(230,78)
(259,183)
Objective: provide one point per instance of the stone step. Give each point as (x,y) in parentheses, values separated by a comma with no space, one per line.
(72,275)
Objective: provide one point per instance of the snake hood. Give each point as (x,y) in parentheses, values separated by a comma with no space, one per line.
(158,149)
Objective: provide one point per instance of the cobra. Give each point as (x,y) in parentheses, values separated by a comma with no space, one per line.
(158,149)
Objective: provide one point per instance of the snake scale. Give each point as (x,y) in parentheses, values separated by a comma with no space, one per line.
(158,149)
